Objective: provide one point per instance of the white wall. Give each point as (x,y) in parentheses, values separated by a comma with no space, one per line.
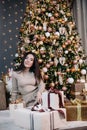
(80,15)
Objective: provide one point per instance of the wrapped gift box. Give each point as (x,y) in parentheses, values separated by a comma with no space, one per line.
(77,95)
(3,104)
(76,112)
(12,107)
(77,89)
(54,100)
(34,120)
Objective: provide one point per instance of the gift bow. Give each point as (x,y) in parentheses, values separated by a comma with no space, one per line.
(40,109)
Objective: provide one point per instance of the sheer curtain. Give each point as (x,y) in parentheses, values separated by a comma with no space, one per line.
(80,16)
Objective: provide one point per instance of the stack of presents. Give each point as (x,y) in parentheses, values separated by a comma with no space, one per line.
(54,112)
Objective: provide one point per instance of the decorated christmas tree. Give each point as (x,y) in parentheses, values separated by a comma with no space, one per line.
(49,30)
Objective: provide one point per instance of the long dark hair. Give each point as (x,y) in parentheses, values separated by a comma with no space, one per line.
(34,68)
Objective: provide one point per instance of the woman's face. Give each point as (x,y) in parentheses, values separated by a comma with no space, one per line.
(29,60)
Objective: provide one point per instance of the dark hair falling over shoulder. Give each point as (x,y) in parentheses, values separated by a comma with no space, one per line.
(34,68)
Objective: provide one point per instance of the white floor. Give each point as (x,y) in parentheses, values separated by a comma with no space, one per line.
(6,123)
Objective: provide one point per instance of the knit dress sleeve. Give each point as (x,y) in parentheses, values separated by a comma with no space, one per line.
(41,86)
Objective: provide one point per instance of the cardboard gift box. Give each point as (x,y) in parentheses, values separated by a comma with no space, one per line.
(77,89)
(3,104)
(77,95)
(52,100)
(76,112)
(34,120)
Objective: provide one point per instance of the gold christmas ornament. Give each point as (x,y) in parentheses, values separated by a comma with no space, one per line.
(36,36)
(52,55)
(52,85)
(46,77)
(48,65)
(52,22)
(56,37)
(56,14)
(49,29)
(73,69)
(52,18)
(68,70)
(59,73)
(42,38)
(53,2)
(51,63)
(64,46)
(40,61)
(40,28)
(43,9)
(66,43)
(68,14)
(56,83)
(36,52)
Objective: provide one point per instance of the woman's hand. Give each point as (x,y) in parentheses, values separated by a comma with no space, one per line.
(39,97)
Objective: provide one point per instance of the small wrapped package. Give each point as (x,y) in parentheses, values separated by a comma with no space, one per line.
(77,89)
(52,100)
(76,112)
(35,120)
(13,107)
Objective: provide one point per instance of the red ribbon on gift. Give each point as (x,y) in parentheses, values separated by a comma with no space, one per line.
(59,94)
(60,101)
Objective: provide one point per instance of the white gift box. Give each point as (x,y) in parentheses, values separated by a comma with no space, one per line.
(12,107)
(54,99)
(33,120)
(58,120)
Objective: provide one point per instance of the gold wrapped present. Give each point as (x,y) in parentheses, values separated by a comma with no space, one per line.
(78,87)
(76,110)
(77,95)
(76,90)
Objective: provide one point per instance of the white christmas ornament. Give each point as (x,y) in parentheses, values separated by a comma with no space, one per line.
(83,71)
(16,55)
(70,80)
(44,69)
(57,33)
(62,60)
(80,61)
(66,52)
(42,48)
(47,34)
(22,48)
(49,14)
(26,39)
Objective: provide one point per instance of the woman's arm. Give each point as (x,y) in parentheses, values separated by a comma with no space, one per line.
(41,87)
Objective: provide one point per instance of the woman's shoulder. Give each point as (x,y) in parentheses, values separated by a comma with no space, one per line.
(15,73)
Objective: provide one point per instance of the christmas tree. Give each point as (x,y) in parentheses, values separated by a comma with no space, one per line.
(49,30)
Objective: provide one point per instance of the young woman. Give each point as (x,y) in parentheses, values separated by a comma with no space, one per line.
(27,81)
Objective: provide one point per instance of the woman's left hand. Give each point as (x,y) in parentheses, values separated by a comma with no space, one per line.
(39,98)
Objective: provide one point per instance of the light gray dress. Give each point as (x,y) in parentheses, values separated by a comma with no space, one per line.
(24,83)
